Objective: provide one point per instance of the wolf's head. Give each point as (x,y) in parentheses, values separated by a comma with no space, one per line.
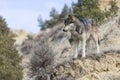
(69,23)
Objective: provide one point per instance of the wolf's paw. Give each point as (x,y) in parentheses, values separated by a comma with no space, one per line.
(83,56)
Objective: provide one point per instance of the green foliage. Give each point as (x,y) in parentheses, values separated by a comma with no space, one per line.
(90,8)
(3,27)
(65,11)
(55,17)
(9,57)
(81,9)
(42,24)
(54,14)
(49,23)
(87,8)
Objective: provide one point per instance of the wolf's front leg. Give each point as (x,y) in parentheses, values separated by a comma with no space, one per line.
(98,49)
(83,47)
(76,49)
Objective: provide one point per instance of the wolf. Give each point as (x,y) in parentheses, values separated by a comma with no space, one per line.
(82,30)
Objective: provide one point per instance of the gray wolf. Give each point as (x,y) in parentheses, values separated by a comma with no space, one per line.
(82,30)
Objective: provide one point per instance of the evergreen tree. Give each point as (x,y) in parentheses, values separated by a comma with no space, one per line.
(42,24)
(3,27)
(91,9)
(54,14)
(65,11)
(10,68)
(54,18)
(88,8)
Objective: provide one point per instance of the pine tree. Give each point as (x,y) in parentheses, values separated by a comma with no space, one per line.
(91,9)
(42,24)
(88,8)
(54,14)
(10,68)
(65,11)
(54,18)
(3,27)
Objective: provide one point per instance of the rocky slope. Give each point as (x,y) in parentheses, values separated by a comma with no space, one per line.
(105,66)
(102,67)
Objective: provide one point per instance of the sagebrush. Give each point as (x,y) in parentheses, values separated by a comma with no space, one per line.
(42,60)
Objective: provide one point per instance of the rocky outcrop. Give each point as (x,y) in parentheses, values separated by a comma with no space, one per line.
(93,67)
(105,66)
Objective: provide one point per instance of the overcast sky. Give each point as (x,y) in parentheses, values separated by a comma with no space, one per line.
(23,14)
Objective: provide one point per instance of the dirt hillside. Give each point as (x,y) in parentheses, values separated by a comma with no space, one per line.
(104,67)
(104,4)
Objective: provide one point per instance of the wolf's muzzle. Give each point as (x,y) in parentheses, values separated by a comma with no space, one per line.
(64,30)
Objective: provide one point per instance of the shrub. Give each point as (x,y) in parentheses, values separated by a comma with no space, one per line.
(10,68)
(42,60)
(27,45)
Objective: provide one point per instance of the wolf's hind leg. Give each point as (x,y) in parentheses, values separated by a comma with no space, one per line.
(97,43)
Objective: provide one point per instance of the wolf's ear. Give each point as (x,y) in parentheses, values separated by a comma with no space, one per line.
(71,17)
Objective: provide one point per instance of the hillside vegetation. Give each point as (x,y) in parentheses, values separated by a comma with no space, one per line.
(10,68)
(104,66)
(47,56)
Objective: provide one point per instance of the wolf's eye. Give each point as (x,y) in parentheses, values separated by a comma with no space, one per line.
(65,22)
